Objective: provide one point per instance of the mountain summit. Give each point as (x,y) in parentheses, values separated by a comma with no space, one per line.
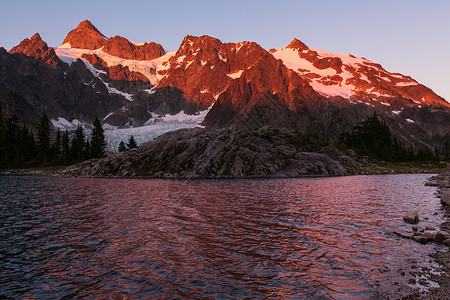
(37,48)
(85,36)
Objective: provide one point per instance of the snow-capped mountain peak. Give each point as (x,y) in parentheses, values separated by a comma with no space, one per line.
(356,79)
(85,36)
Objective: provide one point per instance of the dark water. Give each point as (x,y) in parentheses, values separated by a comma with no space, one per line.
(282,238)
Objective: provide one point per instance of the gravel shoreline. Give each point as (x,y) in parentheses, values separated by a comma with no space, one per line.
(442,257)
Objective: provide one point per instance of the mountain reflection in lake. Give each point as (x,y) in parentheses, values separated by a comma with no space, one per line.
(277,238)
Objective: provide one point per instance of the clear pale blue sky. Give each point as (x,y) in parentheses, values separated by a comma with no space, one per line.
(407,36)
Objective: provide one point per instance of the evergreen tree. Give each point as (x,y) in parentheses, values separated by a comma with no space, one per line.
(87,152)
(98,143)
(31,146)
(21,148)
(131,143)
(373,138)
(2,139)
(58,147)
(78,145)
(437,153)
(122,147)
(425,154)
(446,150)
(12,140)
(17,145)
(44,141)
(66,151)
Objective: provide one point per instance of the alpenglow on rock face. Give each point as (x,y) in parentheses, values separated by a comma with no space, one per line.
(85,36)
(240,85)
(36,47)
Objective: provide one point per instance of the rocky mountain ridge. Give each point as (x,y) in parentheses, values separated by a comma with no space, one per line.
(243,86)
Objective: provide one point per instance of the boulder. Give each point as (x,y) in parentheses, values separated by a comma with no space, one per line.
(403,234)
(411,217)
(445,197)
(446,242)
(432,182)
(420,239)
(429,234)
(441,236)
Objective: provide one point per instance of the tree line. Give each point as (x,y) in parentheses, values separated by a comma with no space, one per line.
(127,146)
(19,147)
(373,138)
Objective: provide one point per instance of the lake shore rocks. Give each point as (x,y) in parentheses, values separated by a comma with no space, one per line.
(439,236)
(429,233)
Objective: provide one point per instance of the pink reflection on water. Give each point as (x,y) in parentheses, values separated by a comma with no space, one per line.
(322,237)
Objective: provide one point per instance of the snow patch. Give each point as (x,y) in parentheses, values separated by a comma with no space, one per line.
(410,121)
(150,91)
(146,67)
(66,59)
(107,116)
(380,94)
(407,83)
(364,77)
(346,59)
(384,78)
(136,43)
(293,61)
(238,46)
(217,96)
(190,63)
(236,74)
(396,112)
(153,128)
(66,46)
(400,76)
(62,123)
(112,90)
(221,58)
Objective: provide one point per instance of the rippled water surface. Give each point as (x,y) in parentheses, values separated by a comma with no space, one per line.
(280,238)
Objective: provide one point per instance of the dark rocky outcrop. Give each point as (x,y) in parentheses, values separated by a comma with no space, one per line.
(222,153)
